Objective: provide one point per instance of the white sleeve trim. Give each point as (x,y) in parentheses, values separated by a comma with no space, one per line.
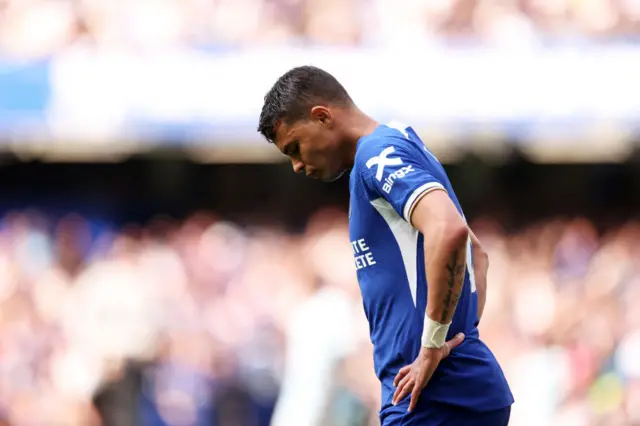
(415,196)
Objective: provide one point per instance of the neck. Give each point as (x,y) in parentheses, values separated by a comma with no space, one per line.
(359,125)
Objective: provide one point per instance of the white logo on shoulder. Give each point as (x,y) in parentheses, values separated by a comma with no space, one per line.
(383,160)
(398,174)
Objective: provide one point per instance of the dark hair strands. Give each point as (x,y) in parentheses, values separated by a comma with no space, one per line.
(295,93)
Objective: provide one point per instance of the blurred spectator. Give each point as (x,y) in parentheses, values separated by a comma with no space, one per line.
(204,323)
(326,327)
(39,28)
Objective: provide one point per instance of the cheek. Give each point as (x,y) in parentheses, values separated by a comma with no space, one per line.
(317,150)
(323,146)
(312,153)
(320,157)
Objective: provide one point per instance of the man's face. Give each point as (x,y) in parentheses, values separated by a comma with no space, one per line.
(312,145)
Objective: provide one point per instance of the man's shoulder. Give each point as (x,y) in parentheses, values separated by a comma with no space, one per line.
(369,146)
(393,138)
(383,148)
(382,137)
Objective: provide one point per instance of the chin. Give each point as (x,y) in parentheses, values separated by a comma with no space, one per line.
(333,177)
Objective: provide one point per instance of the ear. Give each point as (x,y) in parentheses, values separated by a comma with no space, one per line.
(321,114)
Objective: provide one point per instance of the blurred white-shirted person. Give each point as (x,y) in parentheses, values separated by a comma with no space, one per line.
(325,329)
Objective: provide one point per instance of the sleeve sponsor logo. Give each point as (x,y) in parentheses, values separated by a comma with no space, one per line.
(383,160)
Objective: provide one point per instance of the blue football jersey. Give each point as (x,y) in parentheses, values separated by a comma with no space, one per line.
(392,169)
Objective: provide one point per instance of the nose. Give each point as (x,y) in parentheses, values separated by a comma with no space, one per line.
(298,166)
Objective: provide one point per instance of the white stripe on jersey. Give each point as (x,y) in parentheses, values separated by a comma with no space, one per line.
(407,238)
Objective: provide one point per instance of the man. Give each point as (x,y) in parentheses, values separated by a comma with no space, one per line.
(423,293)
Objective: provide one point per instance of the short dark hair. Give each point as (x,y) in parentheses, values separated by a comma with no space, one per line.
(295,93)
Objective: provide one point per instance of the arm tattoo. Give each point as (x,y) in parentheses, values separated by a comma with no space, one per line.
(455,280)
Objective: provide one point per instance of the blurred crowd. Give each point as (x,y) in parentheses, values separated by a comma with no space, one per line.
(36,28)
(202,322)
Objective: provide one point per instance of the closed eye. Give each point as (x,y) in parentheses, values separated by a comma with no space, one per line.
(292,149)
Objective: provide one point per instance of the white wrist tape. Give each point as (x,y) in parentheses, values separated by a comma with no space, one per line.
(434,334)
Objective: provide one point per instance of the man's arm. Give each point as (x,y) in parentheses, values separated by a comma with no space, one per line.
(480,269)
(445,242)
(446,237)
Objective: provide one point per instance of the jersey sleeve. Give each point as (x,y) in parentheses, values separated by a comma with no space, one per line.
(399,172)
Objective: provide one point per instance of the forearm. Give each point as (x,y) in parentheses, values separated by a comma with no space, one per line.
(445,257)
(446,237)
